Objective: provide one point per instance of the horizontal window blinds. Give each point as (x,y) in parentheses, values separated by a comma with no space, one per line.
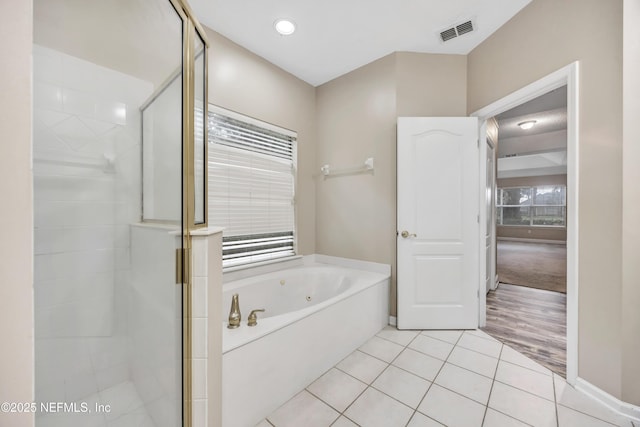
(251,190)
(235,133)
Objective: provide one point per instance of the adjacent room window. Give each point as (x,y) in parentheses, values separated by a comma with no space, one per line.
(251,182)
(540,206)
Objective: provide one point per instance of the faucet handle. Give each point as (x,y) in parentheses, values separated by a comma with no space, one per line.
(253,317)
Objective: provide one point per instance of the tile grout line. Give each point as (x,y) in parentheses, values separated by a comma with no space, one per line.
(491,391)
(342,413)
(555,399)
(376,357)
(428,388)
(391,364)
(324,373)
(469,370)
(370,385)
(493,381)
(439,339)
(411,373)
(591,416)
(387,367)
(575,409)
(526,391)
(395,342)
(527,368)
(490,338)
(476,351)
(434,381)
(404,347)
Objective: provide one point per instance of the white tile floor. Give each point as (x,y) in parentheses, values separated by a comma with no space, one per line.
(439,378)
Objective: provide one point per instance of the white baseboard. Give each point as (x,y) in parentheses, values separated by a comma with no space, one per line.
(625,409)
(520,239)
(495,283)
(393,320)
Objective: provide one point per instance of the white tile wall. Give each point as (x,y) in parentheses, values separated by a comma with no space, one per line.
(207,323)
(200,251)
(82,113)
(107,310)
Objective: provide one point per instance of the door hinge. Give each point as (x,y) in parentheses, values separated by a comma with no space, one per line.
(478,218)
(478,141)
(182,265)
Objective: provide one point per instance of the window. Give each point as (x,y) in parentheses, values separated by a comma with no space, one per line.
(251,187)
(541,206)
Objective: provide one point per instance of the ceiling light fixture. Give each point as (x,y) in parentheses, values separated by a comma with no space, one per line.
(527,125)
(284,27)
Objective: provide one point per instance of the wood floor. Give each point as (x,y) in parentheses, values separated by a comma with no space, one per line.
(532,321)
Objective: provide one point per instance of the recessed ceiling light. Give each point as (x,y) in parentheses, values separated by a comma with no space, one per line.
(285,27)
(527,125)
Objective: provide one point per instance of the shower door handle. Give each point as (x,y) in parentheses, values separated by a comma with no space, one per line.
(182,265)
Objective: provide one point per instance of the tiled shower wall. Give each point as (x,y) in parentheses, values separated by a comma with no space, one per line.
(86,147)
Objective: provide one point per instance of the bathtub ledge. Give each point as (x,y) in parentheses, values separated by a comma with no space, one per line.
(356,264)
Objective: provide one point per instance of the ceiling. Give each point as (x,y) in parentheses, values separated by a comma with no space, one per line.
(541,150)
(548,110)
(334,37)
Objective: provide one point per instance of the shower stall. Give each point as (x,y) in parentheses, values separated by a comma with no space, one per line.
(118,142)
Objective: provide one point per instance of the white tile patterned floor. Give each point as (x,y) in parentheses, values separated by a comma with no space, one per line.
(440,378)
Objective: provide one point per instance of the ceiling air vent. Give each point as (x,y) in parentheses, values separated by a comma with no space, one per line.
(456,31)
(464,28)
(448,34)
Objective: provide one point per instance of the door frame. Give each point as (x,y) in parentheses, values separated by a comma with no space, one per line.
(569,76)
(493,185)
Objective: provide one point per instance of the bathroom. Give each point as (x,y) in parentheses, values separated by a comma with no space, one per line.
(108,202)
(98,278)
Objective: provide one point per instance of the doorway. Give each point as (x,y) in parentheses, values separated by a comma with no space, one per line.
(553,82)
(526,308)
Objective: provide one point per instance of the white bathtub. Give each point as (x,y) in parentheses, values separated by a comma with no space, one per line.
(316,314)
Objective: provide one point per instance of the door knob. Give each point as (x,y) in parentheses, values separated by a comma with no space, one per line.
(406,234)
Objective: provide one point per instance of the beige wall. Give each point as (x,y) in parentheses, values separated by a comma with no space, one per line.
(545,36)
(245,83)
(544,233)
(356,214)
(16,211)
(431,85)
(631,206)
(146,44)
(356,119)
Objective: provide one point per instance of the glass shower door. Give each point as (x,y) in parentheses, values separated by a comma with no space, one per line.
(108,190)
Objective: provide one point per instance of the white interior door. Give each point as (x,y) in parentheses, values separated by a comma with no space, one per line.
(438,222)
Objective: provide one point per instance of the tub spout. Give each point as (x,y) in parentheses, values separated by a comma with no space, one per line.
(234,314)
(253,317)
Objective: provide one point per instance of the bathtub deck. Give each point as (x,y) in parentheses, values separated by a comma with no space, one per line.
(434,378)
